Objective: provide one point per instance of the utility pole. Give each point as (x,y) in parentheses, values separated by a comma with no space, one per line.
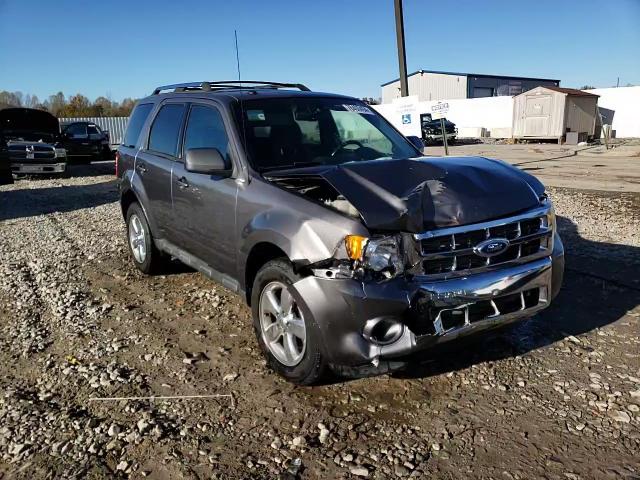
(402,57)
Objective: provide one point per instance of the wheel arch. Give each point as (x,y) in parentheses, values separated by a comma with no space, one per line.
(259,255)
(126,199)
(129,196)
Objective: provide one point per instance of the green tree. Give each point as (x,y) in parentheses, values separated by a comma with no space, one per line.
(103,107)
(10,99)
(56,103)
(78,106)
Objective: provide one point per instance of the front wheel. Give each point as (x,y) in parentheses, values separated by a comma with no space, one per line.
(286,330)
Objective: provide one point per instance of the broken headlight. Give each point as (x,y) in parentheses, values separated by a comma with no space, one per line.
(383,255)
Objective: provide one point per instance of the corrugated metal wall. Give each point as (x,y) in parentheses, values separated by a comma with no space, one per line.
(429,86)
(436,86)
(115,125)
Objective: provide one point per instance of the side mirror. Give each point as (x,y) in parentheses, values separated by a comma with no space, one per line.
(206,160)
(416,142)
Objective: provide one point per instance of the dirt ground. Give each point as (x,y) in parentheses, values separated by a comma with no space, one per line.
(590,167)
(555,397)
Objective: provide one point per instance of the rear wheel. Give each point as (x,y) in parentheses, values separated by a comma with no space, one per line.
(146,257)
(286,330)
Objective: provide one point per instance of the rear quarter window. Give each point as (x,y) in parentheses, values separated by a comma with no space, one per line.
(136,122)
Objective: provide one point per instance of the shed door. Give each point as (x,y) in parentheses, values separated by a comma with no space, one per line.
(537,116)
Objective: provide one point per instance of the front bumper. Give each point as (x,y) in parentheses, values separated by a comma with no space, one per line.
(342,307)
(31,168)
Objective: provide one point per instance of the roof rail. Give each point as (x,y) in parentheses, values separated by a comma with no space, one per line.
(228,84)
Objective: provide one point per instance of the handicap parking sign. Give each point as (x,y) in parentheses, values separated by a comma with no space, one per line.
(406,118)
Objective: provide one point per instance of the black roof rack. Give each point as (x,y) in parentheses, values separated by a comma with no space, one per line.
(227,84)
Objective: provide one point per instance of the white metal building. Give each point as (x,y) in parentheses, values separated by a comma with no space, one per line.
(435,85)
(552,112)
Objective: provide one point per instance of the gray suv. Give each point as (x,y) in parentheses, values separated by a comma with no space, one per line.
(352,249)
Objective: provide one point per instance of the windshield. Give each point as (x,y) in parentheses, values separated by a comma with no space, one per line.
(303,131)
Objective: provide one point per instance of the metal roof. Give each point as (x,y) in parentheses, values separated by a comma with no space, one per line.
(571,91)
(461,74)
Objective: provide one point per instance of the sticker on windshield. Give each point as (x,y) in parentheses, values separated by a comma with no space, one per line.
(361,109)
(256,115)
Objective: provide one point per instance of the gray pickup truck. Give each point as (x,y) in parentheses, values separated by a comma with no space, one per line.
(352,249)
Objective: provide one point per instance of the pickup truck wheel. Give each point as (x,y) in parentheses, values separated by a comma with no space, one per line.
(286,331)
(144,253)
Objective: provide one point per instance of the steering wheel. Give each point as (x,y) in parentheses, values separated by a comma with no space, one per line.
(344,144)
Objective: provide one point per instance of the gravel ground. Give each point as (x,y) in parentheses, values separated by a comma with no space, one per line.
(556,397)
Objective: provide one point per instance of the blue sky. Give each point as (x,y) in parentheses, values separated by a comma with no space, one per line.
(126,48)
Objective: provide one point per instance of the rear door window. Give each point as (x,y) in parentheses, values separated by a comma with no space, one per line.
(165,131)
(136,122)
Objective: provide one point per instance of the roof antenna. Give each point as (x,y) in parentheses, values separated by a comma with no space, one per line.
(235,32)
(244,130)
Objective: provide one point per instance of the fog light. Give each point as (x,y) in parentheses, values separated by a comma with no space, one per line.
(383,331)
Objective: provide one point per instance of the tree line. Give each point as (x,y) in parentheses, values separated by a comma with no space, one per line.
(75,106)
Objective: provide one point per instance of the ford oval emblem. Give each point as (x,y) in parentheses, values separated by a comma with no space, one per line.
(491,247)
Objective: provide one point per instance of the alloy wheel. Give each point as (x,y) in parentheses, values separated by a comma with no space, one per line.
(282,324)
(137,239)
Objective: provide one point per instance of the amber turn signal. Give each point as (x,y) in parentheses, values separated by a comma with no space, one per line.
(355,246)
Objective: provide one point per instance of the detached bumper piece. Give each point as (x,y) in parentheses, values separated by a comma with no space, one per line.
(27,168)
(449,319)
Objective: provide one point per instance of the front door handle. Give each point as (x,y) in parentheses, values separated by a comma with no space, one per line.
(182,182)
(140,166)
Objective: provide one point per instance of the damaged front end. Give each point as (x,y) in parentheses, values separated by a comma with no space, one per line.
(371,324)
(455,247)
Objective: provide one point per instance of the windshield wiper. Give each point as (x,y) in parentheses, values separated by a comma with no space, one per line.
(293,165)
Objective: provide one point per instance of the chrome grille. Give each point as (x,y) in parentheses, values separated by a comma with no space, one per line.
(40,152)
(453,250)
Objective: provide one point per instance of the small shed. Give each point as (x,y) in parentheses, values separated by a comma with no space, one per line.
(552,112)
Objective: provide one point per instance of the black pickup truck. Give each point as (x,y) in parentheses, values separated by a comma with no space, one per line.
(432,130)
(33,140)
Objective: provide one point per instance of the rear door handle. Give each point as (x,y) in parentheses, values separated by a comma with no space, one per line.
(140,166)
(182,182)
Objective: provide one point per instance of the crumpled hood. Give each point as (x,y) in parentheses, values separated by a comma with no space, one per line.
(415,195)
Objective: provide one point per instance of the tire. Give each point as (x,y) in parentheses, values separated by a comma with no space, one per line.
(149,259)
(310,366)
